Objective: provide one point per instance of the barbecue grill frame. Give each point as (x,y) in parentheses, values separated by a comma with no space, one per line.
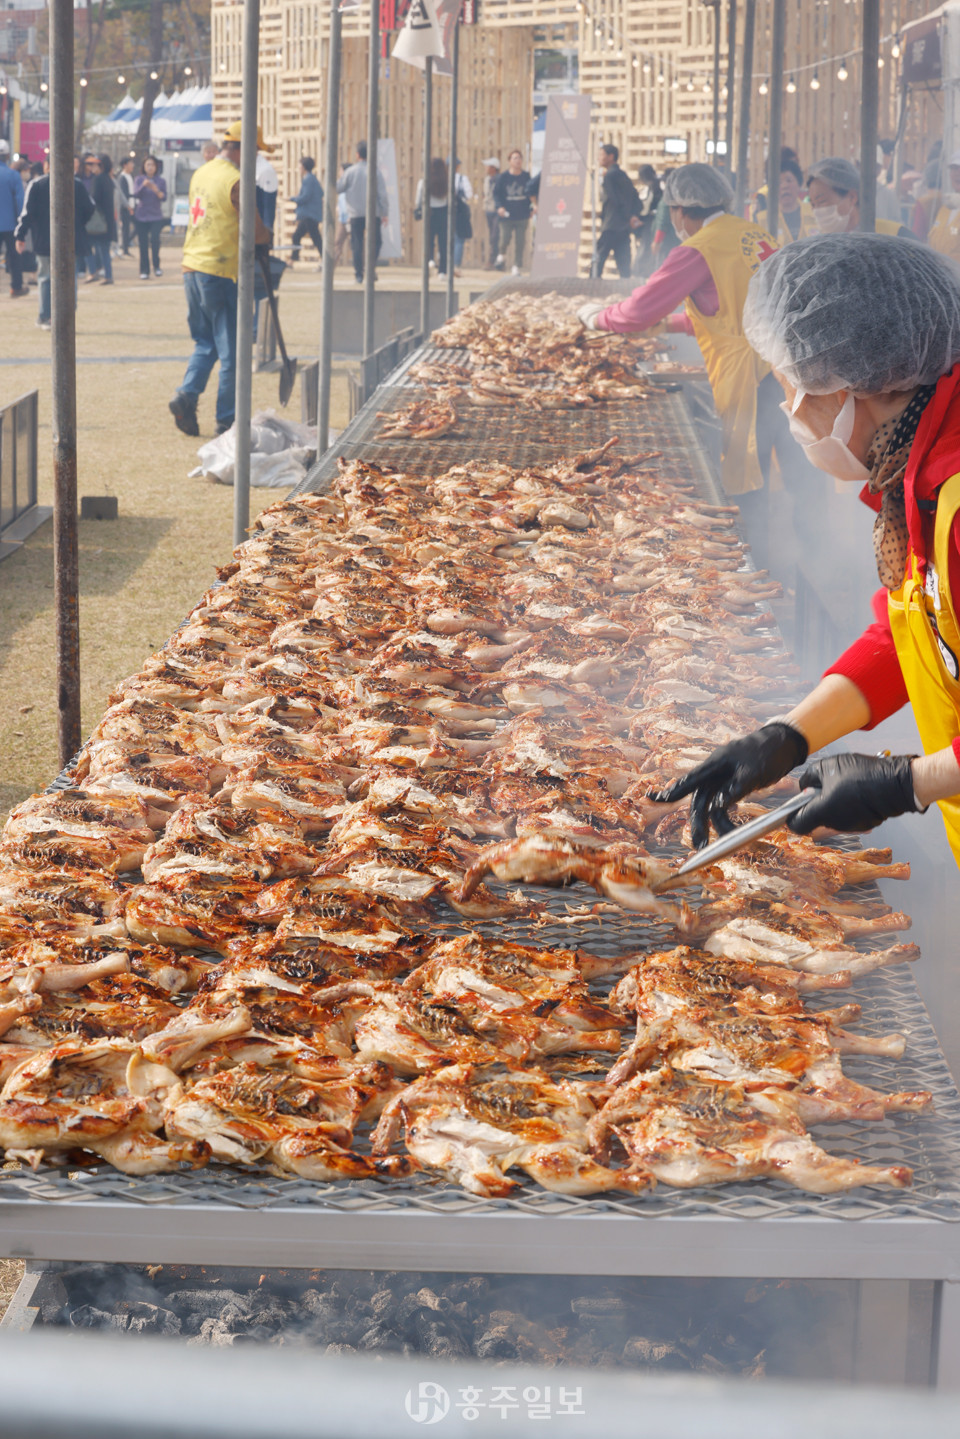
(219,1217)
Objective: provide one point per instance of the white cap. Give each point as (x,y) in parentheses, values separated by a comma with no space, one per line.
(493,161)
(4,148)
(954,159)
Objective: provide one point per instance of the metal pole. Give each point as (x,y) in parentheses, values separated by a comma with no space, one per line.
(746,88)
(331,166)
(245,301)
(370,237)
(778,39)
(716,79)
(425,258)
(452,174)
(731,77)
(869,114)
(63,283)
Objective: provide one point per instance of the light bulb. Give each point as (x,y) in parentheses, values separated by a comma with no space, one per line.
(895,49)
(154,75)
(706,87)
(223,64)
(121,79)
(843,72)
(880,62)
(646,67)
(187,70)
(661,78)
(675,85)
(43,85)
(636,64)
(83,82)
(791,86)
(815,82)
(689,84)
(764,87)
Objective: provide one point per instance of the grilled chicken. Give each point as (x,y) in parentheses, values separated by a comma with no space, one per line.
(686,1131)
(67,961)
(471,1124)
(74,827)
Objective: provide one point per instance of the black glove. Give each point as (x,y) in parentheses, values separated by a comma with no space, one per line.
(732,771)
(857,792)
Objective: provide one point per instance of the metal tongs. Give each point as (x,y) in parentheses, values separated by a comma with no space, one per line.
(743,835)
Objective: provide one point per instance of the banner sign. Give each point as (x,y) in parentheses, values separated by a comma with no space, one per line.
(922,61)
(562,183)
(428,30)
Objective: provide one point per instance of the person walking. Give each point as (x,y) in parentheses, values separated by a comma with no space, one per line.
(511,190)
(128,204)
(150,189)
(87,260)
(619,214)
(309,203)
(650,192)
(491,169)
(102,228)
(267,183)
(211,251)
(11,203)
(462,219)
(352,185)
(437,198)
(34,225)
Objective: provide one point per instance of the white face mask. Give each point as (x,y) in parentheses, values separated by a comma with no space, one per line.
(829,220)
(829,453)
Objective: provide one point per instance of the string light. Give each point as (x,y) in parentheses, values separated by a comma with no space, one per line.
(815,81)
(661,78)
(690,84)
(895,47)
(154,75)
(636,64)
(187,70)
(843,72)
(764,87)
(880,62)
(646,67)
(791,86)
(121,79)
(706,87)
(83,81)
(43,85)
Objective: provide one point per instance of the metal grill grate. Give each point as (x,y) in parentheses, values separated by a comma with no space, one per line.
(931,1146)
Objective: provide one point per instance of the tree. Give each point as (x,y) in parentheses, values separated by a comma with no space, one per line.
(151,89)
(94,36)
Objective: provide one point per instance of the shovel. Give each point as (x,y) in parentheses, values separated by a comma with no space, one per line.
(288,372)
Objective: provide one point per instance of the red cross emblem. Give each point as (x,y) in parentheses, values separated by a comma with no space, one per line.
(198,211)
(560,206)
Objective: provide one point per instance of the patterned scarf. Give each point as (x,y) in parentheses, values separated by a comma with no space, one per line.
(887,462)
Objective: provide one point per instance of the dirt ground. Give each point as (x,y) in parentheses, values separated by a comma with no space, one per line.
(140,574)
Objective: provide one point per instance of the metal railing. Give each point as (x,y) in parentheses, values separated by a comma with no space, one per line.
(18,469)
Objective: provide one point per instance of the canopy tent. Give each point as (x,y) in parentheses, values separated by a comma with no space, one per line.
(186,115)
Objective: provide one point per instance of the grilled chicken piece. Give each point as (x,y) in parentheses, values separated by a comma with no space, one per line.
(821,927)
(524,1002)
(120,1006)
(280,796)
(208,1020)
(766,1052)
(328,912)
(689,1131)
(75,827)
(471,1124)
(301,968)
(627,880)
(758,943)
(103,1096)
(222,842)
(195,912)
(247,1114)
(411,1034)
(75,901)
(69,961)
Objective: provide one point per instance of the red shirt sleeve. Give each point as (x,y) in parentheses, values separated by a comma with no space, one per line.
(682,272)
(871,663)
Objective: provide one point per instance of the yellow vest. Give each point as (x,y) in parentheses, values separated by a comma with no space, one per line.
(945,232)
(212,242)
(807,225)
(733,249)
(923,621)
(887,227)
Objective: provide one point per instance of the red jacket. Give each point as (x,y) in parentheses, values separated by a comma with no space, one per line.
(871,661)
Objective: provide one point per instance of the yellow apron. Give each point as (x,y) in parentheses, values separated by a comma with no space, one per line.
(887,227)
(945,233)
(212,242)
(923,621)
(733,249)
(808,225)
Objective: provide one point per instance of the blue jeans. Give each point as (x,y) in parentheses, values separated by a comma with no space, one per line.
(101,255)
(43,288)
(212,317)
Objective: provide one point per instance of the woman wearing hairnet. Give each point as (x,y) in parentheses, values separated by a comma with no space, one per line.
(833,189)
(710,270)
(863,332)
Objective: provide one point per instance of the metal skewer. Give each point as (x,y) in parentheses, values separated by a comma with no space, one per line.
(739,837)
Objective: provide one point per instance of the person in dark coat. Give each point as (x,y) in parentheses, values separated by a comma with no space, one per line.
(34,222)
(309,203)
(103,193)
(619,215)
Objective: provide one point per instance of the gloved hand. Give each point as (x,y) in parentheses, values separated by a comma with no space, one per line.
(732,771)
(588,313)
(857,792)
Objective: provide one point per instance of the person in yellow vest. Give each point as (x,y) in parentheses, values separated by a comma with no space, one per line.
(795,217)
(833,189)
(863,333)
(211,250)
(709,272)
(944,234)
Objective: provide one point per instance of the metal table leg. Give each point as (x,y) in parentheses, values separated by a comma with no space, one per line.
(947,1336)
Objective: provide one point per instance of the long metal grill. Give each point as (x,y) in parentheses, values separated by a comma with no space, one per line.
(930,1145)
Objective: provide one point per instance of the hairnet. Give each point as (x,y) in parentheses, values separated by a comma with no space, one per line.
(857,311)
(839,174)
(698,187)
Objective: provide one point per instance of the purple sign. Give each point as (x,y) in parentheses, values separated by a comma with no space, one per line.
(562,181)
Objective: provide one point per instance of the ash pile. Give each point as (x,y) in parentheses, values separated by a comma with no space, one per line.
(732,1327)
